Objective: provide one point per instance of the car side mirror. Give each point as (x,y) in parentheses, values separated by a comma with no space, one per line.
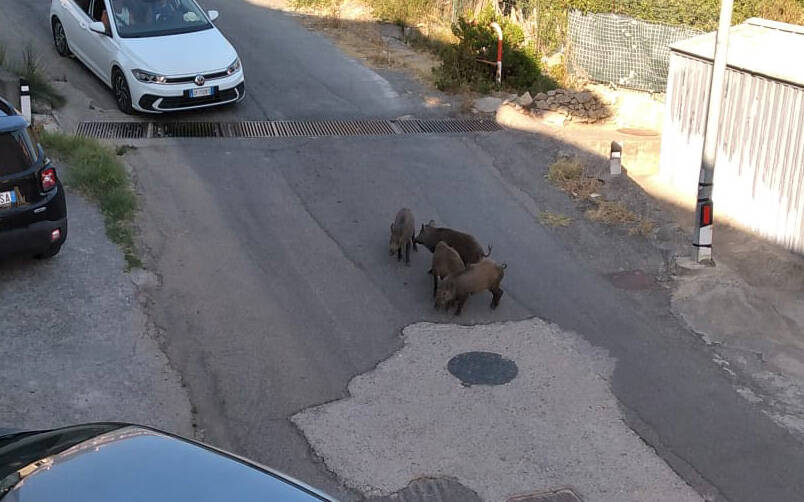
(213,15)
(98,27)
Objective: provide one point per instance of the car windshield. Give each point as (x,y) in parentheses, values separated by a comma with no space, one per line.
(154,18)
(16,152)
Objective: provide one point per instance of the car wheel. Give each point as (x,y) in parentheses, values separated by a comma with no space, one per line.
(49,252)
(122,95)
(60,39)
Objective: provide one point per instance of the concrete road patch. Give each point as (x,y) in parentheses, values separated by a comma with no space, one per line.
(430,490)
(556,424)
(74,343)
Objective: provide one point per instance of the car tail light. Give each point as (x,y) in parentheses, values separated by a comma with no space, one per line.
(48,178)
(55,235)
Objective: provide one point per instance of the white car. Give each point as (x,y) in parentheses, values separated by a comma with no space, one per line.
(156,55)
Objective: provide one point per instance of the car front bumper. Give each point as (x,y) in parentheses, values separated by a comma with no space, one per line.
(158,98)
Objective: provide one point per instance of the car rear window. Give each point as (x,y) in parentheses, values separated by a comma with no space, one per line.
(16,152)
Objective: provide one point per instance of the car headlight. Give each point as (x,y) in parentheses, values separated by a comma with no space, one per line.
(146,76)
(234,67)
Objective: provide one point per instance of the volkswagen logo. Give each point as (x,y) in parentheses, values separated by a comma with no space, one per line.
(199,80)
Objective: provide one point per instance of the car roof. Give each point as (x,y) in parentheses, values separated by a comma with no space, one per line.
(10,119)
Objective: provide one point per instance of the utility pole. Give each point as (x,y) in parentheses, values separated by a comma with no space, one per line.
(702,240)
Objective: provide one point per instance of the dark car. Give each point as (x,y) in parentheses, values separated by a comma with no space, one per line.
(118,462)
(33,214)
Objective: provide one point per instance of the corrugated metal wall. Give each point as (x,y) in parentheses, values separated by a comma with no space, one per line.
(759,176)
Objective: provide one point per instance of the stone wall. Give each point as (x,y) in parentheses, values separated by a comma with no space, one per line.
(580,106)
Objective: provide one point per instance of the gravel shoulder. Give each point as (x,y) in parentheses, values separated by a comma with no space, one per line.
(76,344)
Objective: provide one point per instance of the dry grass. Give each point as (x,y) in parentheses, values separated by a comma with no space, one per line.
(355,30)
(787,11)
(31,68)
(348,23)
(551,219)
(645,227)
(612,212)
(616,213)
(570,176)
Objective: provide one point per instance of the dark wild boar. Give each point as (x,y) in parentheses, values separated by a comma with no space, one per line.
(477,277)
(402,230)
(466,245)
(446,263)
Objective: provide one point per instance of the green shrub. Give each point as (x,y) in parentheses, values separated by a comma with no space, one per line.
(477,40)
(459,69)
(96,170)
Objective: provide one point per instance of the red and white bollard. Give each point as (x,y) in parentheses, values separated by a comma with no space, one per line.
(499,51)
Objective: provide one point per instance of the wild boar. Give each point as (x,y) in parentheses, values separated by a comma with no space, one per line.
(446,263)
(402,232)
(486,274)
(466,245)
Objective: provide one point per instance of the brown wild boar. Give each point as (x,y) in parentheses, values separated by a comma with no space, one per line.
(466,245)
(402,231)
(477,277)
(446,263)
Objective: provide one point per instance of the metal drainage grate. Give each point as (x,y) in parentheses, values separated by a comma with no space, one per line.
(186,130)
(113,129)
(334,128)
(282,128)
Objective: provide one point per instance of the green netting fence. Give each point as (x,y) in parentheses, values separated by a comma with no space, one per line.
(616,49)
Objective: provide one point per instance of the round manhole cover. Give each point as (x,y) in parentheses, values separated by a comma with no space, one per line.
(482,368)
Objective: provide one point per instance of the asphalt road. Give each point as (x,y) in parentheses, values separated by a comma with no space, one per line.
(277,287)
(76,345)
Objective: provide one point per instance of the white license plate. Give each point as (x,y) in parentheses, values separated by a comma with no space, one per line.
(199,93)
(7,198)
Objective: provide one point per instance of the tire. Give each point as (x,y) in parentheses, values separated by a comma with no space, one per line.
(49,252)
(60,39)
(122,94)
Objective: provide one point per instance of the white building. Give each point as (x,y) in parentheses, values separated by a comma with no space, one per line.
(759,175)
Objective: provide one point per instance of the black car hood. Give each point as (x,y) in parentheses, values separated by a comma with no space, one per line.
(132,463)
